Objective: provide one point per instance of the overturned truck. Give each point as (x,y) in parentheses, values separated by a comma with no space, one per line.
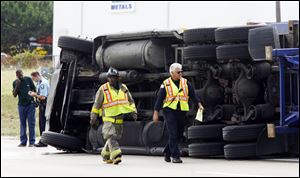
(237,83)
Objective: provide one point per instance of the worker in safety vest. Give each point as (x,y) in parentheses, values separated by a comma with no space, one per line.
(173,97)
(113,100)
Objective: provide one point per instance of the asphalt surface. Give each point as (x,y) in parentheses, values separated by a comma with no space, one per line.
(39,162)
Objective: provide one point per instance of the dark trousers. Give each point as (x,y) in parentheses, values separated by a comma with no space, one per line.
(175,125)
(42,117)
(27,113)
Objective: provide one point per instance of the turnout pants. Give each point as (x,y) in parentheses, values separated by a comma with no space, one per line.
(112,133)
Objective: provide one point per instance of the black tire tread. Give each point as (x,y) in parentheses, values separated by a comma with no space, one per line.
(205,131)
(240,150)
(206,149)
(200,52)
(199,35)
(76,44)
(242,132)
(62,141)
(233,34)
(233,51)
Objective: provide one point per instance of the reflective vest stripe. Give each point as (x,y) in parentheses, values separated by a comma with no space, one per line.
(182,98)
(170,93)
(175,95)
(113,120)
(115,103)
(184,83)
(107,93)
(169,88)
(110,101)
(95,110)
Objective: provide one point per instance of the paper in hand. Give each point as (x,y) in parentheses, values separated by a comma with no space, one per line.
(199,116)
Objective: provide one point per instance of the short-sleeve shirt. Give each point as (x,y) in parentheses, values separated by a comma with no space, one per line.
(43,87)
(25,86)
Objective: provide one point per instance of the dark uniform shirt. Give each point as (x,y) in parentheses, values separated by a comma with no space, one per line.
(25,86)
(162,95)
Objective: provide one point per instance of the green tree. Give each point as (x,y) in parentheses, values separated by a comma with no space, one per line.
(21,20)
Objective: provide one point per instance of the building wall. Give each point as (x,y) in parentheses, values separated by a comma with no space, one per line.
(91,19)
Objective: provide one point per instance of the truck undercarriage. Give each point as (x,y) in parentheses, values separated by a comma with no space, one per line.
(240,87)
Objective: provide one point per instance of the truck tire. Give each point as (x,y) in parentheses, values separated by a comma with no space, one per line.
(205,131)
(233,51)
(154,135)
(100,139)
(273,89)
(75,44)
(80,114)
(240,150)
(67,56)
(199,35)
(132,134)
(159,151)
(132,150)
(62,141)
(93,137)
(206,149)
(200,52)
(233,34)
(242,132)
(259,38)
(83,97)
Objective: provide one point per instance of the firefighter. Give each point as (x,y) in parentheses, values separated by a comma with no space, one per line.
(173,97)
(112,102)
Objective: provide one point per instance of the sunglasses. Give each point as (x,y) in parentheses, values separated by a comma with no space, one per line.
(179,72)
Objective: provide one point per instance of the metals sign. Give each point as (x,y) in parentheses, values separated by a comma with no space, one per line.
(122,6)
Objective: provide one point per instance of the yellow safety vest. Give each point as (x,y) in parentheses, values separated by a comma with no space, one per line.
(115,104)
(174,96)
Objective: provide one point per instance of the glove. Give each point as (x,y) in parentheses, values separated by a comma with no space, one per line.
(134,115)
(93,121)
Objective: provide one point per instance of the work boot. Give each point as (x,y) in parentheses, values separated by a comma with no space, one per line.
(117,159)
(21,145)
(40,144)
(167,158)
(176,160)
(106,157)
(107,161)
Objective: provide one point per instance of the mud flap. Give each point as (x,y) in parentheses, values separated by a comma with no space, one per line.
(267,146)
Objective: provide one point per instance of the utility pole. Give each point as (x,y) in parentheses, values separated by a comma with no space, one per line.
(81,18)
(278,13)
(168,14)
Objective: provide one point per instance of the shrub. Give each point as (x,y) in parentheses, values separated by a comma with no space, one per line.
(27,59)
(8,61)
